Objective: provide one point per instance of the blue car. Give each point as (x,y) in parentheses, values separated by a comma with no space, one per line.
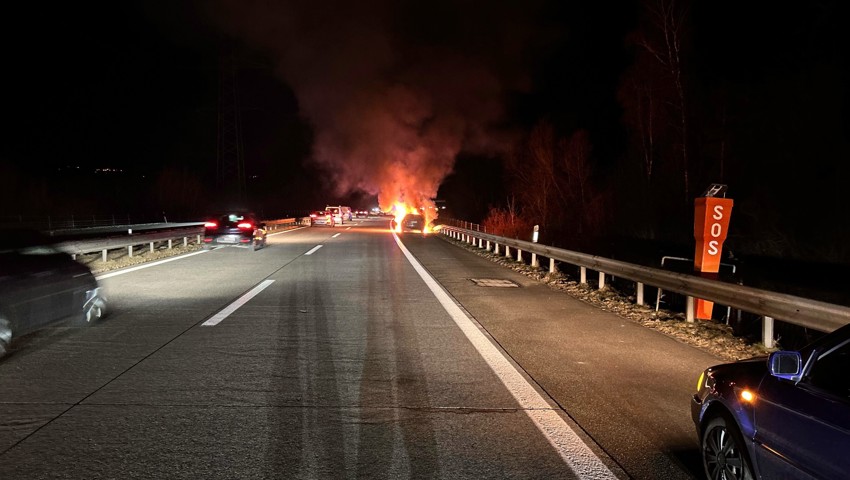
(776,417)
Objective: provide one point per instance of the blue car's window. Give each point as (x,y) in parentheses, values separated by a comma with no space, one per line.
(831,371)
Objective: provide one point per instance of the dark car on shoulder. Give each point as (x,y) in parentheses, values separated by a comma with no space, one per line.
(235,229)
(782,416)
(41,285)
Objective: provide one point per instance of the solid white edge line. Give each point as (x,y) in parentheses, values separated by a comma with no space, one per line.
(338,234)
(218,317)
(313,250)
(573,451)
(146,265)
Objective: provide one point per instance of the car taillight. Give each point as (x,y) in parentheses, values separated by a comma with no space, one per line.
(245,225)
(210,225)
(312,215)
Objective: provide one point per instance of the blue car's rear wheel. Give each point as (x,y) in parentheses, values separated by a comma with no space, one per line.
(724,455)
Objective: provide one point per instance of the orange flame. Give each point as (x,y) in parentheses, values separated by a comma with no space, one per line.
(400,209)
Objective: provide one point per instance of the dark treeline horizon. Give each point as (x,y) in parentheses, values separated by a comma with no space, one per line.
(752,96)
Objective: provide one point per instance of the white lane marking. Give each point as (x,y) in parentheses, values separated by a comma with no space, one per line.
(218,317)
(147,265)
(285,231)
(573,451)
(313,250)
(338,234)
(349,228)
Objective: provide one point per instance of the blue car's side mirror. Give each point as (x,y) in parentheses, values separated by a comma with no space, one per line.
(786,365)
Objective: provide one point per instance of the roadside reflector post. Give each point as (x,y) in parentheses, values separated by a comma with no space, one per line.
(534,238)
(199,239)
(689,309)
(639,293)
(185,241)
(583,275)
(130,251)
(104,254)
(551,265)
(767,332)
(151,247)
(601,280)
(169,244)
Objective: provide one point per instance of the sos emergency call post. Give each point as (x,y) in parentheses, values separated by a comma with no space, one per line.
(711,225)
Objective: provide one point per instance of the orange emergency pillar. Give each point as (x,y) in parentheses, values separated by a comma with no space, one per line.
(711,225)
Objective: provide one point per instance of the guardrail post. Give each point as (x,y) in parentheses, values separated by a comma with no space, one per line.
(518,255)
(534,262)
(185,241)
(169,244)
(639,293)
(480,243)
(689,309)
(104,255)
(767,332)
(583,275)
(130,251)
(496,248)
(488,245)
(601,280)
(199,239)
(551,265)
(507,251)
(151,247)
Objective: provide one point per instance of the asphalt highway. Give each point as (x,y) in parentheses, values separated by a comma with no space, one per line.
(346,352)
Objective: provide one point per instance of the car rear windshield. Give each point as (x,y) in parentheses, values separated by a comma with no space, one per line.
(231,219)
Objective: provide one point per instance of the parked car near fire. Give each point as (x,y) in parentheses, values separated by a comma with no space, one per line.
(235,229)
(782,416)
(41,285)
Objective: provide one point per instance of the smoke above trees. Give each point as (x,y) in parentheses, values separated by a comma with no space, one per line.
(393,90)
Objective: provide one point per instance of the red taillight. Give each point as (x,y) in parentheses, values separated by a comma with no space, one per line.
(313,215)
(210,225)
(245,225)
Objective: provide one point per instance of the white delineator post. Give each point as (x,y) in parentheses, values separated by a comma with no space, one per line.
(534,237)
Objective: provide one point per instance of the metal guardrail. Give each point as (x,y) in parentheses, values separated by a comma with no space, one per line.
(131,240)
(800,311)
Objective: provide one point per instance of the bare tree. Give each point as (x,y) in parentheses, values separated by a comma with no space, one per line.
(533,169)
(663,38)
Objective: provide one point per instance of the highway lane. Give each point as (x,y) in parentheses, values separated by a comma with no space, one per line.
(344,366)
(628,386)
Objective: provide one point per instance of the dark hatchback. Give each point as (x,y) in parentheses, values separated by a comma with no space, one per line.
(41,285)
(783,416)
(235,230)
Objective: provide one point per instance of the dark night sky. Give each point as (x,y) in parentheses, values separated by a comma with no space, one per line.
(133,85)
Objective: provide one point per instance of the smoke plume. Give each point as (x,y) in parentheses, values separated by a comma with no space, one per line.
(394,90)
